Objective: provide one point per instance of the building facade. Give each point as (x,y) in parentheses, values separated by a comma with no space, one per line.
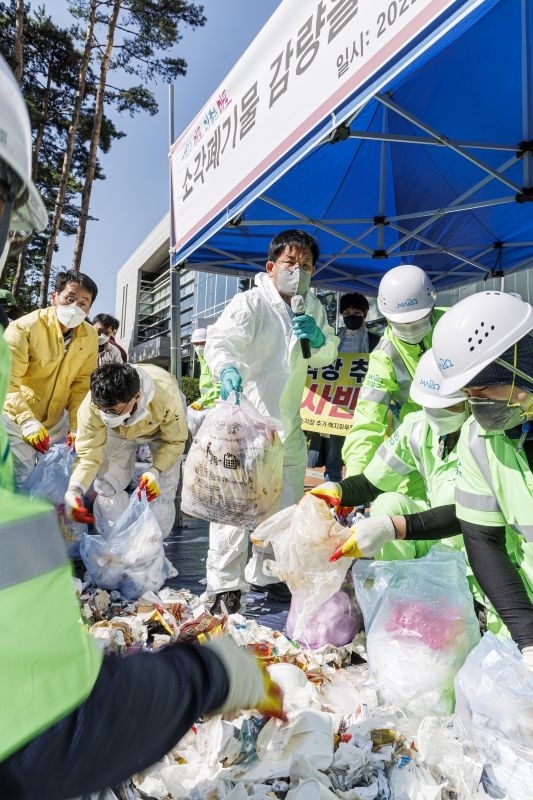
(143,301)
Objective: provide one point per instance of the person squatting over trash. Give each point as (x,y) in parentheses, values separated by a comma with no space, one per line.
(107,351)
(73,721)
(354,337)
(53,353)
(255,347)
(420,459)
(128,405)
(484,346)
(406,298)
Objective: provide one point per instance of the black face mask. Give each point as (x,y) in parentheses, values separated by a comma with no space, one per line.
(353,321)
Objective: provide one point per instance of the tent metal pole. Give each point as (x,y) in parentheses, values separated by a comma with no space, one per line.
(175,316)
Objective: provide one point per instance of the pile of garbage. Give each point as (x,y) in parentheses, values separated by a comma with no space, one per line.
(341,740)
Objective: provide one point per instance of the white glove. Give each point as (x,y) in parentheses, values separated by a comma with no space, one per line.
(527,657)
(367,536)
(250,685)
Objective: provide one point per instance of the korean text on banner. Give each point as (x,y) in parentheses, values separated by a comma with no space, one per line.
(302,68)
(331,392)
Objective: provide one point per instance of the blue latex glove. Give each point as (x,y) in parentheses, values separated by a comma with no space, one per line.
(305,327)
(230,381)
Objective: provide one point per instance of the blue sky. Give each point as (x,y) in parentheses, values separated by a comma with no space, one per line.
(134,197)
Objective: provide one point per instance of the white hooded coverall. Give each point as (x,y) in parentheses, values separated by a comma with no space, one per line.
(255,335)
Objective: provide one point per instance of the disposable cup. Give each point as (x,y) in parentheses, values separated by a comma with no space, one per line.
(309,733)
(289,677)
(311,789)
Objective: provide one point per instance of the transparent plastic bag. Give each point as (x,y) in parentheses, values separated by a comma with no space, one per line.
(335,622)
(233,470)
(494,691)
(133,559)
(420,625)
(49,480)
(303,537)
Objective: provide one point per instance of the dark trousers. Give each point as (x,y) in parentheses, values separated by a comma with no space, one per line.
(326,451)
(140,707)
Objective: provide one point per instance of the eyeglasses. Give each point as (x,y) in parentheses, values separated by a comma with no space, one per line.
(113,413)
(290,265)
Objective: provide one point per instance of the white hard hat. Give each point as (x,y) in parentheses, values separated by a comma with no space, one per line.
(426,388)
(16,151)
(475,332)
(199,335)
(405,294)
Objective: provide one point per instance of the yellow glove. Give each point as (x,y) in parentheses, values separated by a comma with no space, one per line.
(148,481)
(196,406)
(367,536)
(35,435)
(331,493)
(250,685)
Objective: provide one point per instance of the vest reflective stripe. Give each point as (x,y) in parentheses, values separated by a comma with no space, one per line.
(477,502)
(526,531)
(390,459)
(30,549)
(374,396)
(415,439)
(403,378)
(477,447)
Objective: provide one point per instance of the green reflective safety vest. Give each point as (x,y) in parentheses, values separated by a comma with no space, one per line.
(7,479)
(209,388)
(494,486)
(391,366)
(49,663)
(411,453)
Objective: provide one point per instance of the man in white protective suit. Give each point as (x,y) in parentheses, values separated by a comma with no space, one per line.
(257,347)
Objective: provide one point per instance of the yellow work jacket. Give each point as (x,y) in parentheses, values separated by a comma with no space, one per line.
(45,378)
(165,419)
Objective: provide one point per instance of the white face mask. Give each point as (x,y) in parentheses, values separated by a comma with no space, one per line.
(293,281)
(412,332)
(70,316)
(112,420)
(444,421)
(102,338)
(199,350)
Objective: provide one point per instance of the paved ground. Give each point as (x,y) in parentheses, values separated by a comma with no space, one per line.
(186,548)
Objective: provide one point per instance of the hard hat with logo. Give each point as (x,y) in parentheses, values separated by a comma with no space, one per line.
(426,388)
(16,152)
(199,335)
(405,294)
(475,332)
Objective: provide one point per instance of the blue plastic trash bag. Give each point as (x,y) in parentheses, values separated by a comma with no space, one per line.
(49,480)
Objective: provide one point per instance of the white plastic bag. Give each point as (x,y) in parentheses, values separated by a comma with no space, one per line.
(303,536)
(133,559)
(420,625)
(233,470)
(49,480)
(195,417)
(494,691)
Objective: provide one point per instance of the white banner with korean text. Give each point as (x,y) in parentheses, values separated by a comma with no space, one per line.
(310,57)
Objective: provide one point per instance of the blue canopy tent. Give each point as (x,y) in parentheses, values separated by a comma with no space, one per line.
(434,168)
